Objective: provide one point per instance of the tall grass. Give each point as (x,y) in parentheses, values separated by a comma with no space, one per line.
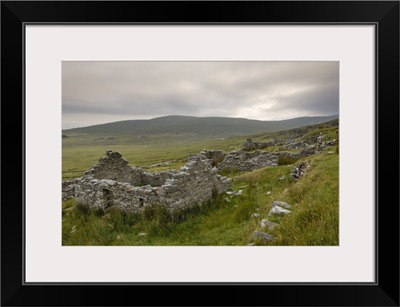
(315,199)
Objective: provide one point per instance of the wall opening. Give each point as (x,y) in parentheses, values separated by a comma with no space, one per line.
(108,197)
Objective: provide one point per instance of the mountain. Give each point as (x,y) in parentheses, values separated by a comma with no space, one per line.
(202,126)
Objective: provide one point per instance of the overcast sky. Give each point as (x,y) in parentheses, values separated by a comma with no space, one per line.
(101,92)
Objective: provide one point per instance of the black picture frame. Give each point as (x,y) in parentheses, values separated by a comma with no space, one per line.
(383,14)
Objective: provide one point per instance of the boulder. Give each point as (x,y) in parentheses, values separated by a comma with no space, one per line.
(281,204)
(268,224)
(278,211)
(263,235)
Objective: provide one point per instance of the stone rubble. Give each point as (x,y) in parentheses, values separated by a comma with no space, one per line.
(299,170)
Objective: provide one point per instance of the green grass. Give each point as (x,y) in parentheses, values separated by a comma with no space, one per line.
(79,153)
(225,220)
(315,199)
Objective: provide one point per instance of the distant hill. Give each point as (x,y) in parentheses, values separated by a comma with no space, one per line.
(202,126)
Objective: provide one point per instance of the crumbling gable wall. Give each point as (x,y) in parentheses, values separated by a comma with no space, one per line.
(114,167)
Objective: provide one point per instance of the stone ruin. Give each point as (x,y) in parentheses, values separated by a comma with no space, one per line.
(112,182)
(248,161)
(250,145)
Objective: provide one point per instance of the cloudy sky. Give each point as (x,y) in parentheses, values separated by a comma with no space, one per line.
(101,92)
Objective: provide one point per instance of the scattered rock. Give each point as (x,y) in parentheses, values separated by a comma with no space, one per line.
(142,234)
(263,235)
(298,171)
(227,199)
(278,211)
(281,204)
(281,178)
(233,193)
(238,193)
(320,142)
(331,143)
(269,192)
(251,244)
(255,215)
(268,224)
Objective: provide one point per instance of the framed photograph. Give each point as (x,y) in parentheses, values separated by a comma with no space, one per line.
(238,146)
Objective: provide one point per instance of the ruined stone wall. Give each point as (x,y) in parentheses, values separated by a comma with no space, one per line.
(247,161)
(112,182)
(194,183)
(250,145)
(68,188)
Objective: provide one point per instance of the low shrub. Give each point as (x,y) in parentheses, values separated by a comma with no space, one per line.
(286,160)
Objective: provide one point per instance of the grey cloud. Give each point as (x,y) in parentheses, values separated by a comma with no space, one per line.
(259,90)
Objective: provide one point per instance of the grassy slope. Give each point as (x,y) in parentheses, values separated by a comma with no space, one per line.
(81,150)
(224,220)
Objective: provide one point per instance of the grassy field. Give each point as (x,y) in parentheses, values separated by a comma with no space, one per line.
(79,153)
(224,220)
